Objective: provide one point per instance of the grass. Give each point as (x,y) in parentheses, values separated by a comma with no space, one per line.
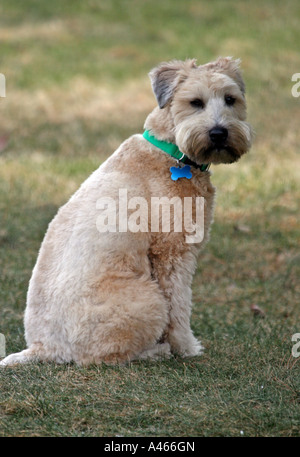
(77,86)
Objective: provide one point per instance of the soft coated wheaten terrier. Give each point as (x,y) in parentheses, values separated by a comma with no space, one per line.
(112,283)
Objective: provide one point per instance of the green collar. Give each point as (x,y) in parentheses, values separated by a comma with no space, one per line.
(173,151)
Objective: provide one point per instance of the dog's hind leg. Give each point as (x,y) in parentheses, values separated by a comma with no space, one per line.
(128,320)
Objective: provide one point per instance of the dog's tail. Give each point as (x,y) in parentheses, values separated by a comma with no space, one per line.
(32,354)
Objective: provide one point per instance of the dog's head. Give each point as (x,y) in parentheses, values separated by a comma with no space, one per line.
(207,106)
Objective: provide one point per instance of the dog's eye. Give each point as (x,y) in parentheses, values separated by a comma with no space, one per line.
(229,100)
(197,103)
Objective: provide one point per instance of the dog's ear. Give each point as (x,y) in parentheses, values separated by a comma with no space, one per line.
(231,67)
(166,77)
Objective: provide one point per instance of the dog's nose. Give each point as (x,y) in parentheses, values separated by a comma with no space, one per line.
(218,135)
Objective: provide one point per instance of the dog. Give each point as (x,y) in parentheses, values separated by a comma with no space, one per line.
(100,294)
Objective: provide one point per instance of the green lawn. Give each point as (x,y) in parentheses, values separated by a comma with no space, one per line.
(76,86)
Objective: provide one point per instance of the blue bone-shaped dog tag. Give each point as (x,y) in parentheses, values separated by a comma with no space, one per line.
(184,172)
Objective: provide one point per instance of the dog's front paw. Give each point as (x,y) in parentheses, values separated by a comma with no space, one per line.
(193,349)
(186,345)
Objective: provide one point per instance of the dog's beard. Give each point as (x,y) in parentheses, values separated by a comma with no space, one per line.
(196,144)
(219,154)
